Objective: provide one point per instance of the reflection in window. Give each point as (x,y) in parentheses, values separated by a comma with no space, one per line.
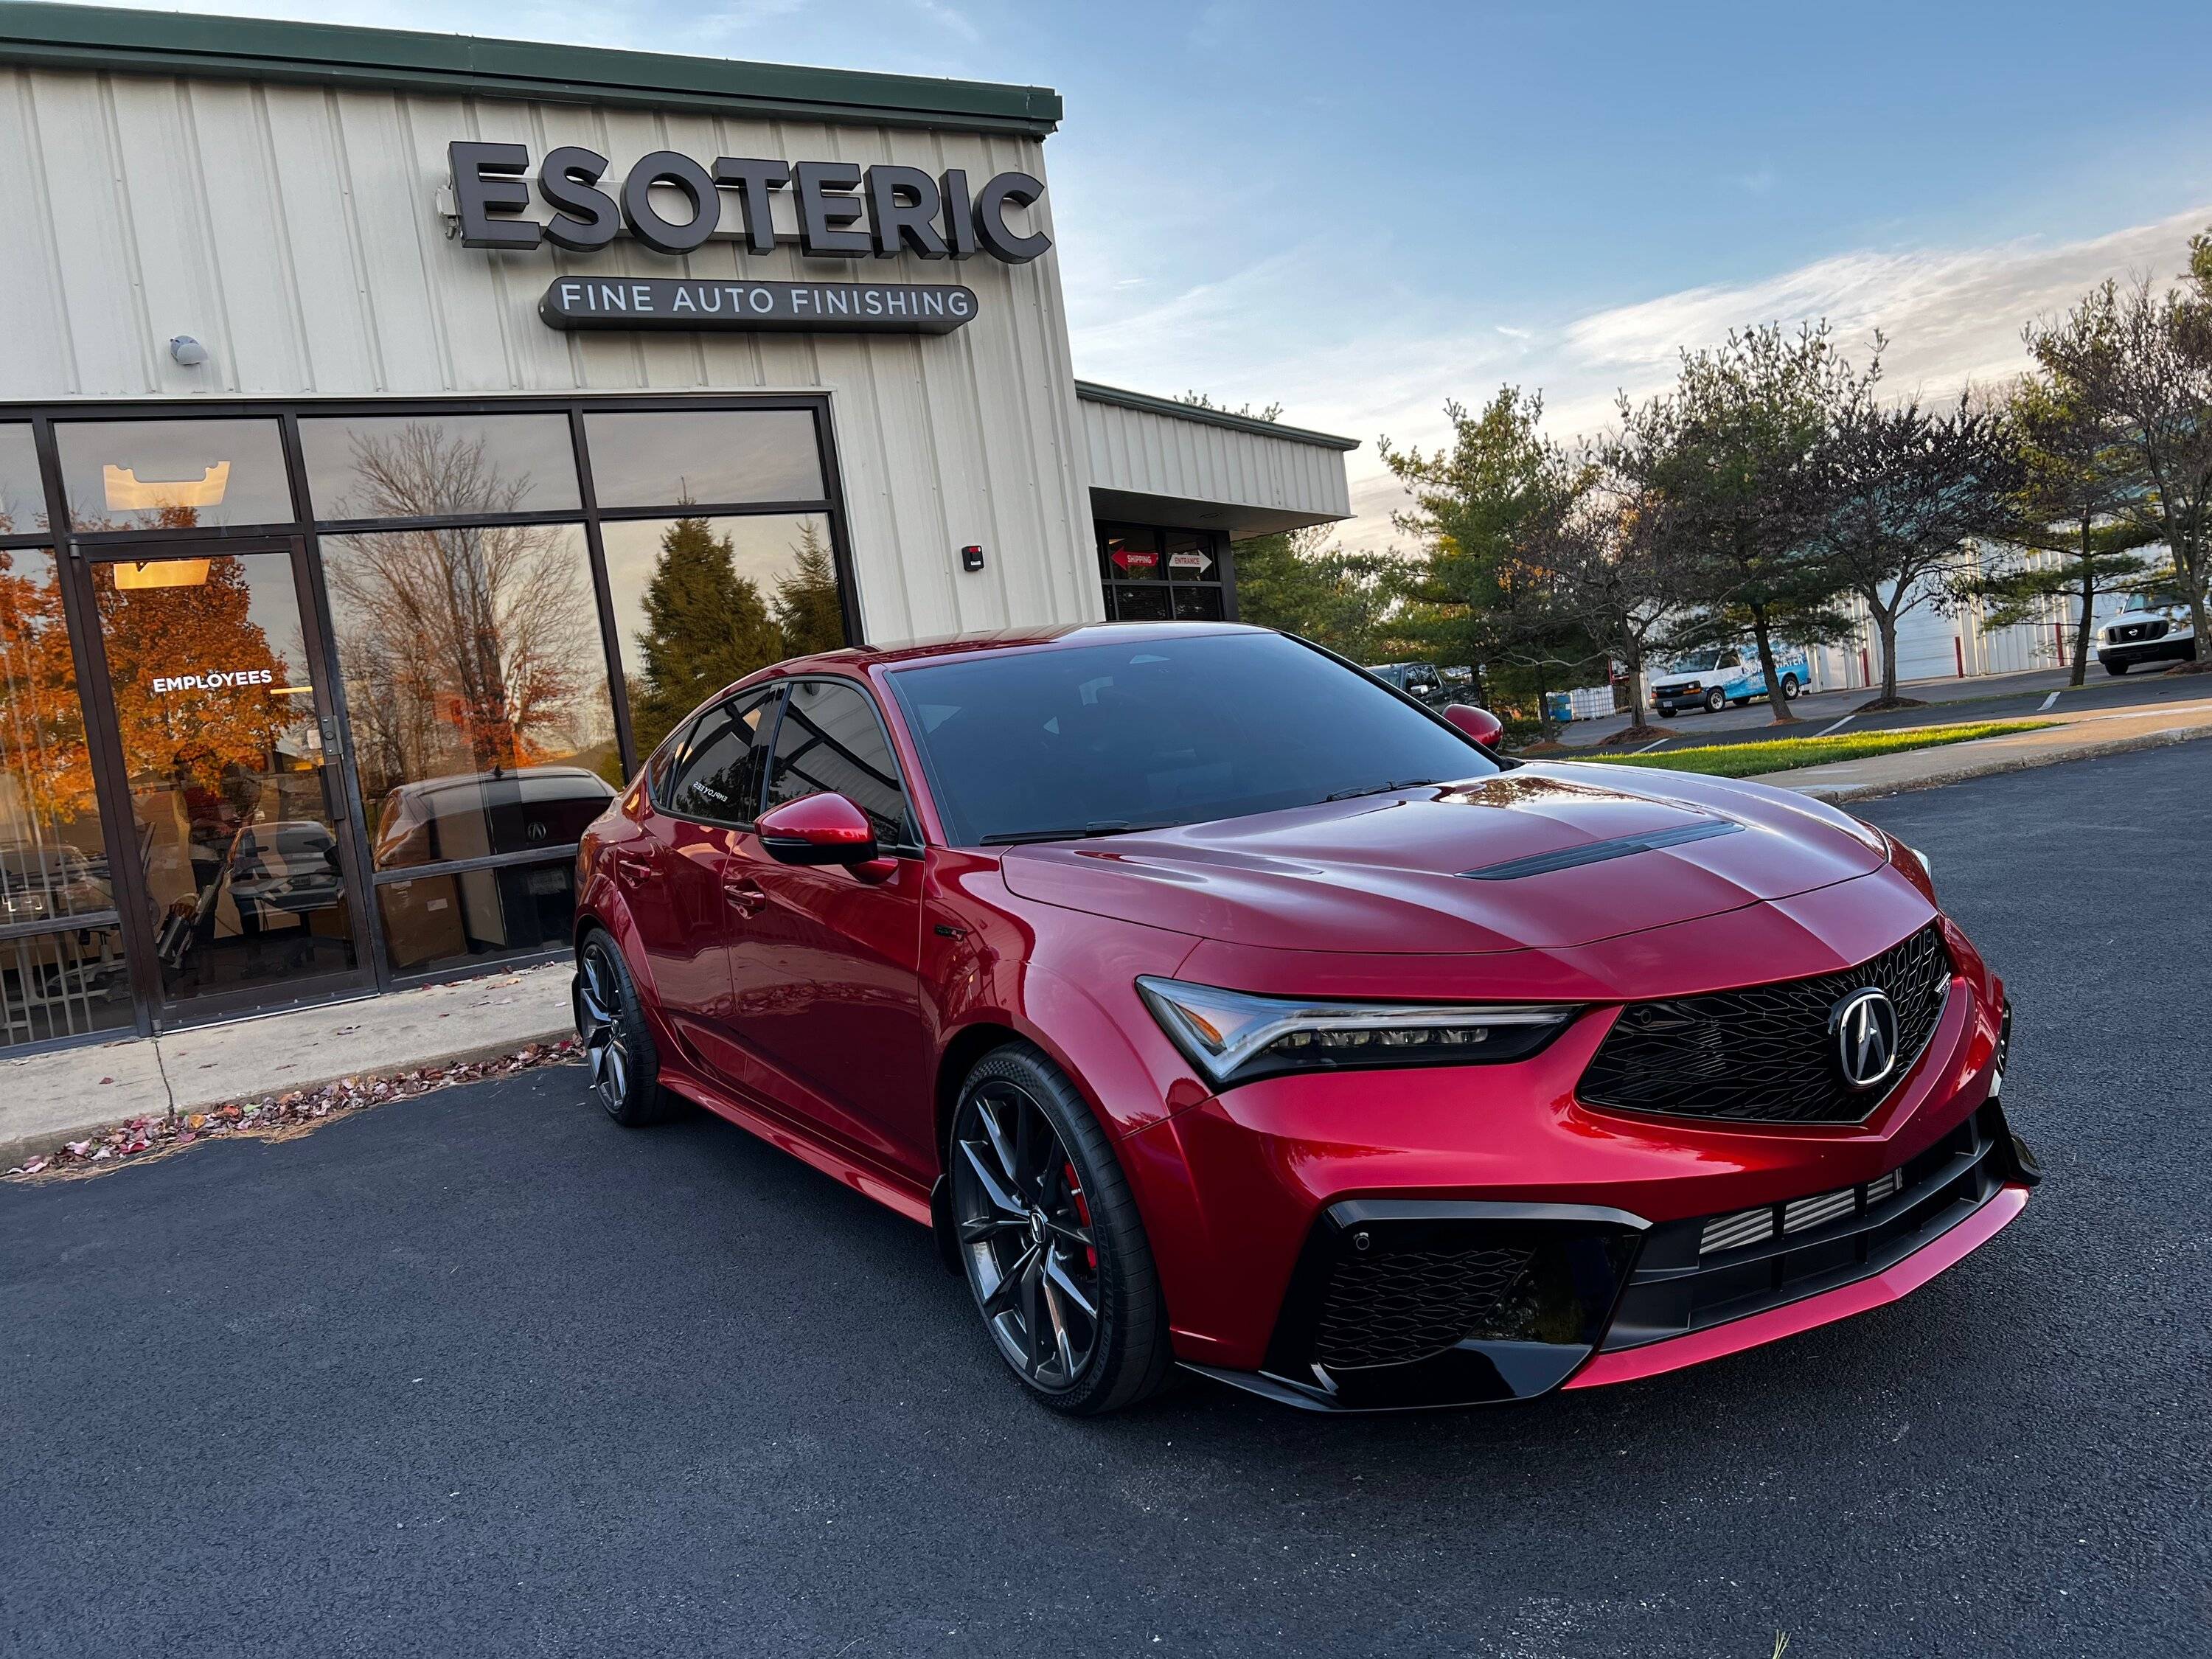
(432,466)
(830,740)
(23,497)
(718,779)
(449,921)
(711,456)
(700,603)
(53,860)
(172,475)
(60,985)
(476,688)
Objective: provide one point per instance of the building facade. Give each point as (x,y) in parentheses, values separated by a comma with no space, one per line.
(399,433)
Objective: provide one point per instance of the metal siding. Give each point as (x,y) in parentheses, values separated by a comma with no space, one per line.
(293,231)
(1149,454)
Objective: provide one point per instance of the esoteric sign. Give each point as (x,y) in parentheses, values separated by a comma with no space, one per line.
(843,210)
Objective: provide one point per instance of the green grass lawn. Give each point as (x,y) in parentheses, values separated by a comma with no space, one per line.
(1746,760)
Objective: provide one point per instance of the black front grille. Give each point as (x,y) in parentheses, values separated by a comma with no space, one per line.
(1391,1308)
(1764,1054)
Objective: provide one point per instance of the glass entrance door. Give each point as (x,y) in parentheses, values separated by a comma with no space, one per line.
(220,713)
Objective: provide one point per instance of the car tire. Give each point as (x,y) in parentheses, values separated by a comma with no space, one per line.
(1037,1243)
(2117,668)
(1716,700)
(616,1044)
(1789,687)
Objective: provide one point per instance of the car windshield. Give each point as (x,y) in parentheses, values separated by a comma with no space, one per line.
(1698,662)
(2144,601)
(1099,738)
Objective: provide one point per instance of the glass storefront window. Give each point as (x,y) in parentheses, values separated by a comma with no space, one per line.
(476,688)
(1161,575)
(61,985)
(236,818)
(447,921)
(713,457)
(700,602)
(53,858)
(22,496)
(439,466)
(172,475)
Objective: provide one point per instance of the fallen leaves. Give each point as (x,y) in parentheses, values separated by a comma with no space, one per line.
(279,1116)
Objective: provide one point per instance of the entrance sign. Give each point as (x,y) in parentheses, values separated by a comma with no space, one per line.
(1201,562)
(583,302)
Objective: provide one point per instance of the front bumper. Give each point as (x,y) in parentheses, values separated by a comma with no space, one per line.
(1597,1219)
(2163,650)
(1551,1295)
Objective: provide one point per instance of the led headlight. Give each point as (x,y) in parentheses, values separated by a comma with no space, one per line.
(1232,1036)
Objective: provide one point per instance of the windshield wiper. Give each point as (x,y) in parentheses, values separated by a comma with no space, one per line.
(1380,788)
(1096,827)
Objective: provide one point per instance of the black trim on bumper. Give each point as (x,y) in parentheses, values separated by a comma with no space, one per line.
(1682,1284)
(1559,1270)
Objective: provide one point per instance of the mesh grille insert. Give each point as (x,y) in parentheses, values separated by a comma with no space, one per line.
(1398,1306)
(1763,1054)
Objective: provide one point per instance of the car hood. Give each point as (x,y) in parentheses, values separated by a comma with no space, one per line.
(1536,857)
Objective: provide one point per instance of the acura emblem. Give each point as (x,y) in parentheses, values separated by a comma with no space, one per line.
(1863,1027)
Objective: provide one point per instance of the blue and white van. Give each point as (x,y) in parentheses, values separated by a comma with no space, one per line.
(1713,679)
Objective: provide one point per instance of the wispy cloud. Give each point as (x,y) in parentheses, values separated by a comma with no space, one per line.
(1951,315)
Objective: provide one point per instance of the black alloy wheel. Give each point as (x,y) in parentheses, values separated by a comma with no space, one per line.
(1049,1235)
(610,1030)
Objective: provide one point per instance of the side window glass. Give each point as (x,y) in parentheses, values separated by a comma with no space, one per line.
(661,765)
(831,738)
(717,779)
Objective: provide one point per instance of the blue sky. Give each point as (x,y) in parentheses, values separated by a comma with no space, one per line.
(1361,211)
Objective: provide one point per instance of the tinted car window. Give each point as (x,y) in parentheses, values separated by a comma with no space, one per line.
(1160,731)
(831,738)
(718,779)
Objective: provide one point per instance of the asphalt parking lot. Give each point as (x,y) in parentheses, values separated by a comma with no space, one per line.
(480,1373)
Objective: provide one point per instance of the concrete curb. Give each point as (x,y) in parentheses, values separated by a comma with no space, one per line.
(13,1150)
(1989,766)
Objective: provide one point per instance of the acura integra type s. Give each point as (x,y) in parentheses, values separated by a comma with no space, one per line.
(1216,1004)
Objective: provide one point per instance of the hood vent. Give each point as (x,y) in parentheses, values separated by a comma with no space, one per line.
(1597,852)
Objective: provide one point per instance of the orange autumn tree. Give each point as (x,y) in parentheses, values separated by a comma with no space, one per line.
(46,771)
(190,737)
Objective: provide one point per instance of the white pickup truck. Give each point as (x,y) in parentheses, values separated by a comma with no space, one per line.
(2147,630)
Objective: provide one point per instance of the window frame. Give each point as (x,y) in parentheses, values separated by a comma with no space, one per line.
(913,842)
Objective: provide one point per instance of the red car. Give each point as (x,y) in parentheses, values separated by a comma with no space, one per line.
(1217,1004)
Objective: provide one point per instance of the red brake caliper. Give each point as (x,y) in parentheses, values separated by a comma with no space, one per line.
(1083,1210)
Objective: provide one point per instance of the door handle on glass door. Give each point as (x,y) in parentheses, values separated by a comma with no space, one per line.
(743,893)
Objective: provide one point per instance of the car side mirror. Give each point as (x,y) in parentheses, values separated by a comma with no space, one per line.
(824,828)
(1484,728)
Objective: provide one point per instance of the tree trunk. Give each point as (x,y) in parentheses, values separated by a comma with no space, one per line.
(2084,627)
(2192,571)
(1775,699)
(1885,622)
(1634,664)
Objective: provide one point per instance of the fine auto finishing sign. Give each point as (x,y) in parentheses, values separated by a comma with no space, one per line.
(631,302)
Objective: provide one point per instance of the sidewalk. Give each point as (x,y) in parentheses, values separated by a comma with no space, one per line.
(51,1098)
(2077,737)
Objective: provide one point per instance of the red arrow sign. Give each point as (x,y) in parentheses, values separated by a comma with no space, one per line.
(1131,563)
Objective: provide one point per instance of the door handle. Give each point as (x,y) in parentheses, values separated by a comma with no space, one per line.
(635,870)
(743,893)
